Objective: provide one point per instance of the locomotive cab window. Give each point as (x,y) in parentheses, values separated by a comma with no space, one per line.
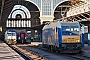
(74,28)
(65,30)
(13,34)
(9,34)
(70,30)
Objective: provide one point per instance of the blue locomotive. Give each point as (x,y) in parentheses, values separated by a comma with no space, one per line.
(11,37)
(62,36)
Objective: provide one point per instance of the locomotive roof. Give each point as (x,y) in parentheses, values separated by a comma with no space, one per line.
(55,24)
(11,30)
(69,23)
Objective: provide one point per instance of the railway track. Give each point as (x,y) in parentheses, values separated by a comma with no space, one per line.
(20,52)
(30,55)
(74,56)
(77,56)
(34,55)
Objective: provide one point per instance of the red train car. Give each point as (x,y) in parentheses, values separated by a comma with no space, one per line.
(22,37)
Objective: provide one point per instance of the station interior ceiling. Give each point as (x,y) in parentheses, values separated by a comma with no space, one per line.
(7,5)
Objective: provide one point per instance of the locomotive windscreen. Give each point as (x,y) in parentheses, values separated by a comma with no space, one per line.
(11,34)
(70,29)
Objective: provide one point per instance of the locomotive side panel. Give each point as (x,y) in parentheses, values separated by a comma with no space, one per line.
(50,35)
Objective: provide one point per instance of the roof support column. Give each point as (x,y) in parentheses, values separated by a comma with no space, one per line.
(88,35)
(40,35)
(1,9)
(46,18)
(82,37)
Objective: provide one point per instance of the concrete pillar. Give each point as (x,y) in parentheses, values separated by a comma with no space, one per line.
(82,36)
(40,35)
(14,23)
(18,23)
(88,35)
(46,18)
(29,23)
(8,23)
(24,23)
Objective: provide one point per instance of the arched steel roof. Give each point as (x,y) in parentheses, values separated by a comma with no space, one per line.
(9,4)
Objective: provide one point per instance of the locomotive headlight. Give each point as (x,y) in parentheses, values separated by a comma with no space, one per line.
(77,40)
(18,37)
(8,38)
(14,39)
(25,37)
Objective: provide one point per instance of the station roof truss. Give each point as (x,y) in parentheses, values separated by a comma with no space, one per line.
(83,18)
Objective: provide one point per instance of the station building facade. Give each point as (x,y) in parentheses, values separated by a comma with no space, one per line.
(30,13)
(38,11)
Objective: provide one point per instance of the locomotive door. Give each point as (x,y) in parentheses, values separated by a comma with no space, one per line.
(22,36)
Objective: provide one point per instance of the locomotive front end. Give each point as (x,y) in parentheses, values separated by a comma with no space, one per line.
(71,40)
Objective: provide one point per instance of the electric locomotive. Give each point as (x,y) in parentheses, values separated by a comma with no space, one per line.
(11,37)
(62,36)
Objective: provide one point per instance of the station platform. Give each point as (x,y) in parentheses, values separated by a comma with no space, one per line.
(6,53)
(36,43)
(86,50)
